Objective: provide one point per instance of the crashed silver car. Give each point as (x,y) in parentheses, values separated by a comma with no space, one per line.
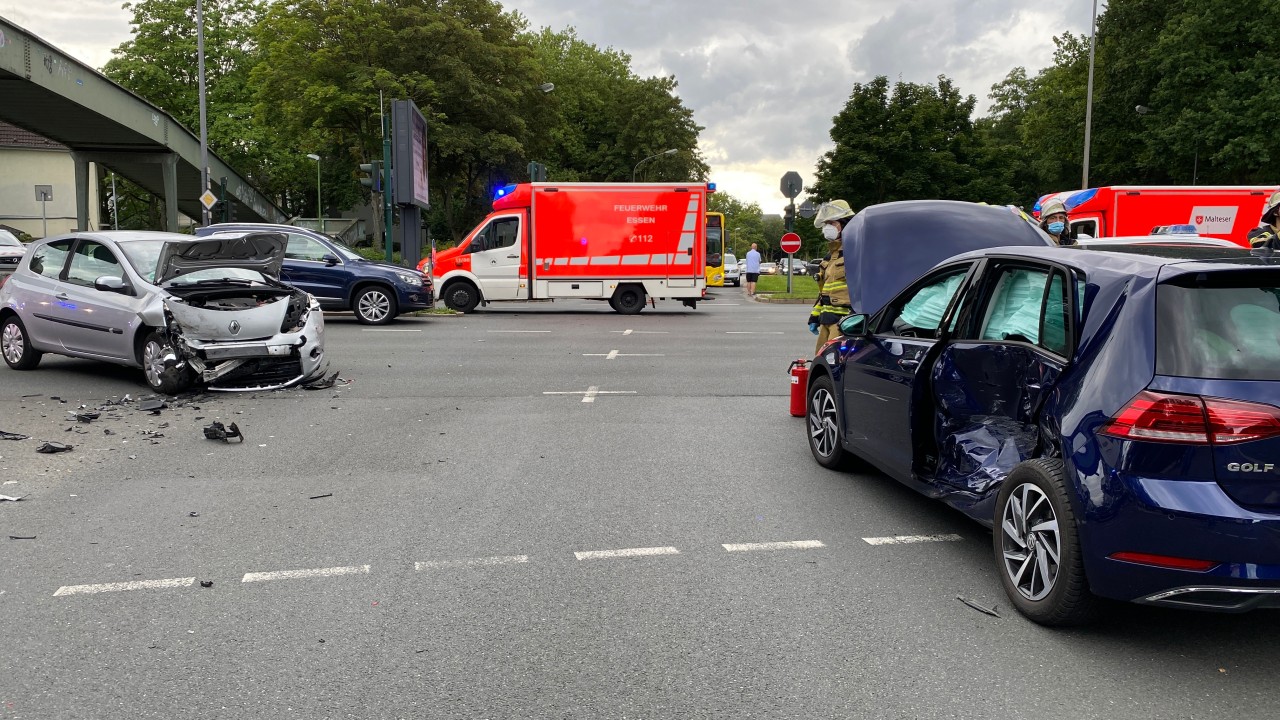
(187,310)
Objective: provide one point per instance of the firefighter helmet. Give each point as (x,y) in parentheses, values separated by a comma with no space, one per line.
(834,210)
(1269,210)
(1052,206)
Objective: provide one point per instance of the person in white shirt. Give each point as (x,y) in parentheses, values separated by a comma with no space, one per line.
(753,269)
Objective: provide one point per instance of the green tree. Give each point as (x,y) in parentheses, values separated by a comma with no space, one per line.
(607,119)
(911,141)
(160,64)
(462,62)
(743,222)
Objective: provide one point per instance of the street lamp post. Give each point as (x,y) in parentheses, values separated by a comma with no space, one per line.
(672,151)
(319,207)
(204,128)
(1088,103)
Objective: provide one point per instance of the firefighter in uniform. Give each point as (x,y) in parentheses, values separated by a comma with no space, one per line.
(1053,220)
(1268,233)
(833,290)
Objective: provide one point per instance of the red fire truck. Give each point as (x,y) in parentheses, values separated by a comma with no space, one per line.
(621,242)
(1216,211)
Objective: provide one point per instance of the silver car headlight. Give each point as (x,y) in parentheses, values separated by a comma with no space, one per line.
(410,279)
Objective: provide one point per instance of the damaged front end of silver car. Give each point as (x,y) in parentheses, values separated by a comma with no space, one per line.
(238,335)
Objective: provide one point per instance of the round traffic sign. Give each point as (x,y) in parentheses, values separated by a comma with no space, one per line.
(790,243)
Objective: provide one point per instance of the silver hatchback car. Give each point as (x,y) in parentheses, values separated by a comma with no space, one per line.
(186,310)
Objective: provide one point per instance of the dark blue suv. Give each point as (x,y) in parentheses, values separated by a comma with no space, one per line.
(343,280)
(1110,411)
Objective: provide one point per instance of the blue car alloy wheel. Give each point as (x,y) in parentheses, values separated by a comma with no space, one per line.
(1037,546)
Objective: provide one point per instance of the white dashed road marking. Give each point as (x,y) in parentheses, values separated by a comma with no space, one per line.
(612,354)
(120,586)
(589,396)
(310,573)
(909,539)
(625,553)
(471,562)
(790,545)
(642,332)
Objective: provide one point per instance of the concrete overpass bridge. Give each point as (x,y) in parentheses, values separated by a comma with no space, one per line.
(49,93)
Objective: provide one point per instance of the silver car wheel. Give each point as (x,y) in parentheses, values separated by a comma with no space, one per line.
(13,344)
(1030,541)
(822,422)
(374,305)
(153,358)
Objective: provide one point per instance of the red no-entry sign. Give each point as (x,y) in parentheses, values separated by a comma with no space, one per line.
(790,243)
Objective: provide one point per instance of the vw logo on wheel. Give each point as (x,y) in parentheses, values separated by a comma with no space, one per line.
(234,327)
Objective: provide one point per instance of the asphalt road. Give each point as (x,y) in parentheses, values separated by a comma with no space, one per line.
(524,513)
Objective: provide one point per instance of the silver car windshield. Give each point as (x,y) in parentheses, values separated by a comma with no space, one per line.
(143,255)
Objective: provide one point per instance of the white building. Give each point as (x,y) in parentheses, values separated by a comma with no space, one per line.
(28,160)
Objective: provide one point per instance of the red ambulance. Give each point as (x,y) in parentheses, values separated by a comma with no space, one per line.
(621,242)
(1225,212)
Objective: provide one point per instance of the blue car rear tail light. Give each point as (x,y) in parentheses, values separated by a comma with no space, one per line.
(1190,419)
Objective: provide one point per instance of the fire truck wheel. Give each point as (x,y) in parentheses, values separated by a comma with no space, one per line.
(461,296)
(628,299)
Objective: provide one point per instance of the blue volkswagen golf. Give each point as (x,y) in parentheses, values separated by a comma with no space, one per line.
(341,279)
(1111,412)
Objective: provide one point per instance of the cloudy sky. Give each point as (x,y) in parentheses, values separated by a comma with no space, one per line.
(764,77)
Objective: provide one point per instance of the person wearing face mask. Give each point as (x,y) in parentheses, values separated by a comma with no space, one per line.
(1267,234)
(1053,220)
(833,290)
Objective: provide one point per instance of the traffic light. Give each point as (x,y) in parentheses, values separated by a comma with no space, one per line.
(537,172)
(230,210)
(789,217)
(373,172)
(224,205)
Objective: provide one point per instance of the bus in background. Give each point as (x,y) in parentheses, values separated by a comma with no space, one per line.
(715,249)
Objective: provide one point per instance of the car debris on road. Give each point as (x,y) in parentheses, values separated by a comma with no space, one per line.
(218,431)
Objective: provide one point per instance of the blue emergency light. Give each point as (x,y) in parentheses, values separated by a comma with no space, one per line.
(504,191)
(711,187)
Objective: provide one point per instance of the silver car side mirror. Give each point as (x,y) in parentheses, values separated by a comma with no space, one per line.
(108,283)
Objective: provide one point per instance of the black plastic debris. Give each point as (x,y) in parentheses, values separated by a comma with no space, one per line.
(54,447)
(218,431)
(12,436)
(323,383)
(108,431)
(317,497)
(986,611)
(22,537)
(206,583)
(86,417)
(193,514)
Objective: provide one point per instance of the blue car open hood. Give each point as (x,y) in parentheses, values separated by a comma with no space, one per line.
(888,246)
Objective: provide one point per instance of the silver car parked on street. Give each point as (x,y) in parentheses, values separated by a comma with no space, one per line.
(186,310)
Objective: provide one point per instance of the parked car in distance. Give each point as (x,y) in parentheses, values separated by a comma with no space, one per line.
(732,273)
(785,265)
(812,267)
(340,278)
(1108,410)
(186,310)
(11,252)
(768,268)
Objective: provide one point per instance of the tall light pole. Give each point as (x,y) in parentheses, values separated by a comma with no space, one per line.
(1088,103)
(672,151)
(319,207)
(204,129)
